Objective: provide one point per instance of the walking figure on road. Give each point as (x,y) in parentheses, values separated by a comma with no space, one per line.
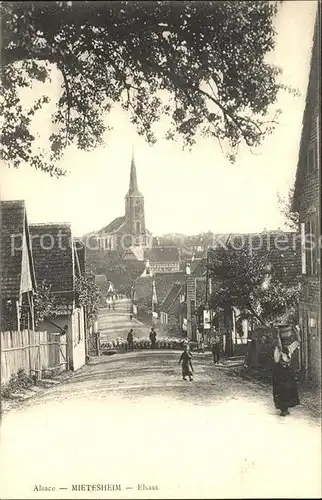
(215,347)
(130,340)
(200,341)
(153,338)
(285,393)
(185,359)
(113,305)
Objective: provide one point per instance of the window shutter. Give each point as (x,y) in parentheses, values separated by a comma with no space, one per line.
(303,253)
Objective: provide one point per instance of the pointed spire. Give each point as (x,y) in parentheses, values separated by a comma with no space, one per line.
(133,189)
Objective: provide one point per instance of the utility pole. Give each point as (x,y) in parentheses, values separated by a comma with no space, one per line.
(189,326)
(190,292)
(207,274)
(154,298)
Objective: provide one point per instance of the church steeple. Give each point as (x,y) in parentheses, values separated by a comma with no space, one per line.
(133,188)
(134,207)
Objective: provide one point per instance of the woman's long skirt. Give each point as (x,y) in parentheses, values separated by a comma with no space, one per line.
(285,393)
(186,369)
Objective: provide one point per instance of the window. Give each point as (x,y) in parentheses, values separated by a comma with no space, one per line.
(309,248)
(311,158)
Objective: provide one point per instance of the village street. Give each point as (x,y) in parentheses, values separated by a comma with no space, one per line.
(130,419)
(116,323)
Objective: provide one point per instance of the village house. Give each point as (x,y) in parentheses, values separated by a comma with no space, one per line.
(172,311)
(159,259)
(163,259)
(18,282)
(282,250)
(306,202)
(59,259)
(154,286)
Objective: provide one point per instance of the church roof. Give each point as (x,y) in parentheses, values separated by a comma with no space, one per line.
(133,187)
(113,226)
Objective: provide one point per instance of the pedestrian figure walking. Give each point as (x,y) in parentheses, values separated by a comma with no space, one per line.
(153,338)
(215,347)
(285,394)
(130,340)
(185,359)
(200,341)
(113,305)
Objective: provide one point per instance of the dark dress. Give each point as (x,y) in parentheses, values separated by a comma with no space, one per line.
(185,358)
(153,337)
(285,393)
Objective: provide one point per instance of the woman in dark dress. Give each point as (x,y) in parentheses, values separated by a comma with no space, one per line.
(285,393)
(185,358)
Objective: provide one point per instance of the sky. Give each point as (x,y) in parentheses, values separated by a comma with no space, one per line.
(185,192)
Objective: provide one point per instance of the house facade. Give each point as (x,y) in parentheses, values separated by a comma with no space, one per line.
(164,259)
(17,275)
(306,202)
(58,261)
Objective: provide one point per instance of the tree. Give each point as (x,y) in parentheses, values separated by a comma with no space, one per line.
(44,303)
(88,296)
(285,207)
(108,262)
(208,58)
(111,263)
(250,283)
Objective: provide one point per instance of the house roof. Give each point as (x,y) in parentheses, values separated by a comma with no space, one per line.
(53,250)
(135,253)
(100,279)
(163,284)
(113,226)
(312,98)
(198,267)
(80,256)
(14,223)
(163,254)
(171,297)
(143,287)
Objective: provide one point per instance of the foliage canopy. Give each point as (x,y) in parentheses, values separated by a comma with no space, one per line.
(250,283)
(208,58)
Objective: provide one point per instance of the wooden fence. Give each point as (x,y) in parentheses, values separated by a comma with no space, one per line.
(35,352)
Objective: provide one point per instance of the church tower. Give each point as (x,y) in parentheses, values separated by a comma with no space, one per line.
(134,209)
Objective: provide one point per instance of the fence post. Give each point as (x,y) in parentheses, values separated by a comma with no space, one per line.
(98,343)
(39,359)
(29,354)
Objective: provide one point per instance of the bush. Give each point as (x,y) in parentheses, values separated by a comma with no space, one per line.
(17,382)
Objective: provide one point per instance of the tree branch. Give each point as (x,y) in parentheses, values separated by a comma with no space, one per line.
(250,307)
(17,54)
(69,100)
